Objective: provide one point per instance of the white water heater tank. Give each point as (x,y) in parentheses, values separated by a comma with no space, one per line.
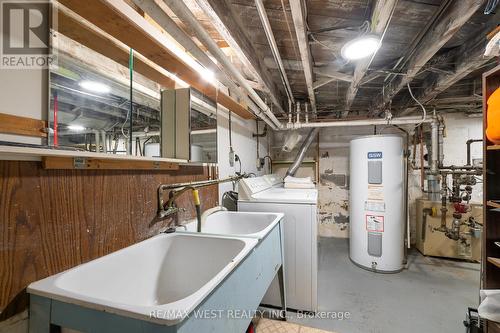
(376,208)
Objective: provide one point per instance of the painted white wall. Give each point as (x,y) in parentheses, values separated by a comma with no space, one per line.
(459,129)
(244,145)
(24,92)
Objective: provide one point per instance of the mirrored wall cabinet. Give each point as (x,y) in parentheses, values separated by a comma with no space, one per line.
(100,105)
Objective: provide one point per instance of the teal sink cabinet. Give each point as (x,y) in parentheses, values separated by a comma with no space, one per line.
(229,307)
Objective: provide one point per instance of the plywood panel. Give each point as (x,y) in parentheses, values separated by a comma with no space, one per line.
(52,220)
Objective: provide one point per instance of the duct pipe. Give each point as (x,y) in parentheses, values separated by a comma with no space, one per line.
(274,47)
(185,14)
(302,152)
(363,122)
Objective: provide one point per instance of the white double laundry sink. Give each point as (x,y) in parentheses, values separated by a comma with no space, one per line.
(169,274)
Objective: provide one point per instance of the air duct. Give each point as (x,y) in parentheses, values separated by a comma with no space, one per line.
(302,152)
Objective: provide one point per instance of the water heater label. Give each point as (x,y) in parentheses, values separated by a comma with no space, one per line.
(375,206)
(375,192)
(373,155)
(374,223)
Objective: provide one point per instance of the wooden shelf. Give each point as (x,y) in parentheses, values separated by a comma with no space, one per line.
(490,263)
(494,261)
(493,147)
(64,159)
(493,203)
(88,163)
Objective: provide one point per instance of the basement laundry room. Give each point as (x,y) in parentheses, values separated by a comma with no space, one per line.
(249,166)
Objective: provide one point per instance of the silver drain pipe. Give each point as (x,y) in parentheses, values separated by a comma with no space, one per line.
(302,152)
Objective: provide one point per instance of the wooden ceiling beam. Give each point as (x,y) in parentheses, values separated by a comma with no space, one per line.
(77,30)
(468,58)
(332,73)
(455,16)
(164,22)
(121,21)
(380,19)
(323,82)
(325,71)
(299,22)
(227,22)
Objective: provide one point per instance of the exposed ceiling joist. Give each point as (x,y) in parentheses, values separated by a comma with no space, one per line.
(229,26)
(274,48)
(182,11)
(325,71)
(455,16)
(122,22)
(161,18)
(468,58)
(380,19)
(323,82)
(70,25)
(151,8)
(299,22)
(331,73)
(257,86)
(369,77)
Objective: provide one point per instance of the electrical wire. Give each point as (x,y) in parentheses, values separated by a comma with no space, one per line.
(129,112)
(491,6)
(424,111)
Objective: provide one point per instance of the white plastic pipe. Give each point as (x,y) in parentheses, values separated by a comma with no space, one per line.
(297,119)
(97,136)
(274,47)
(104,141)
(363,122)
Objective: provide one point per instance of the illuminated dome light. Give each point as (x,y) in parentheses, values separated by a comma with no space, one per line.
(360,47)
(94,86)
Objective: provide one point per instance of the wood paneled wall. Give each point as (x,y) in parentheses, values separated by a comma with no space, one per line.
(52,220)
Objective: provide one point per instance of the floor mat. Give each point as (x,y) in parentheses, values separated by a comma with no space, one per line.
(264,325)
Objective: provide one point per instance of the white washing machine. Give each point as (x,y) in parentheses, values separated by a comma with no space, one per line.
(267,194)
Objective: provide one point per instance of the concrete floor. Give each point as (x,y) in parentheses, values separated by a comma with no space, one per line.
(432,295)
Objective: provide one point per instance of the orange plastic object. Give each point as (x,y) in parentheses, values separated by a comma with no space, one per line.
(493,117)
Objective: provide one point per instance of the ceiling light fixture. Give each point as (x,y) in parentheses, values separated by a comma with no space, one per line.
(94,86)
(361,47)
(76,128)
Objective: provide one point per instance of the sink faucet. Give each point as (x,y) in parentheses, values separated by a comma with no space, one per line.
(210,211)
(171,208)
